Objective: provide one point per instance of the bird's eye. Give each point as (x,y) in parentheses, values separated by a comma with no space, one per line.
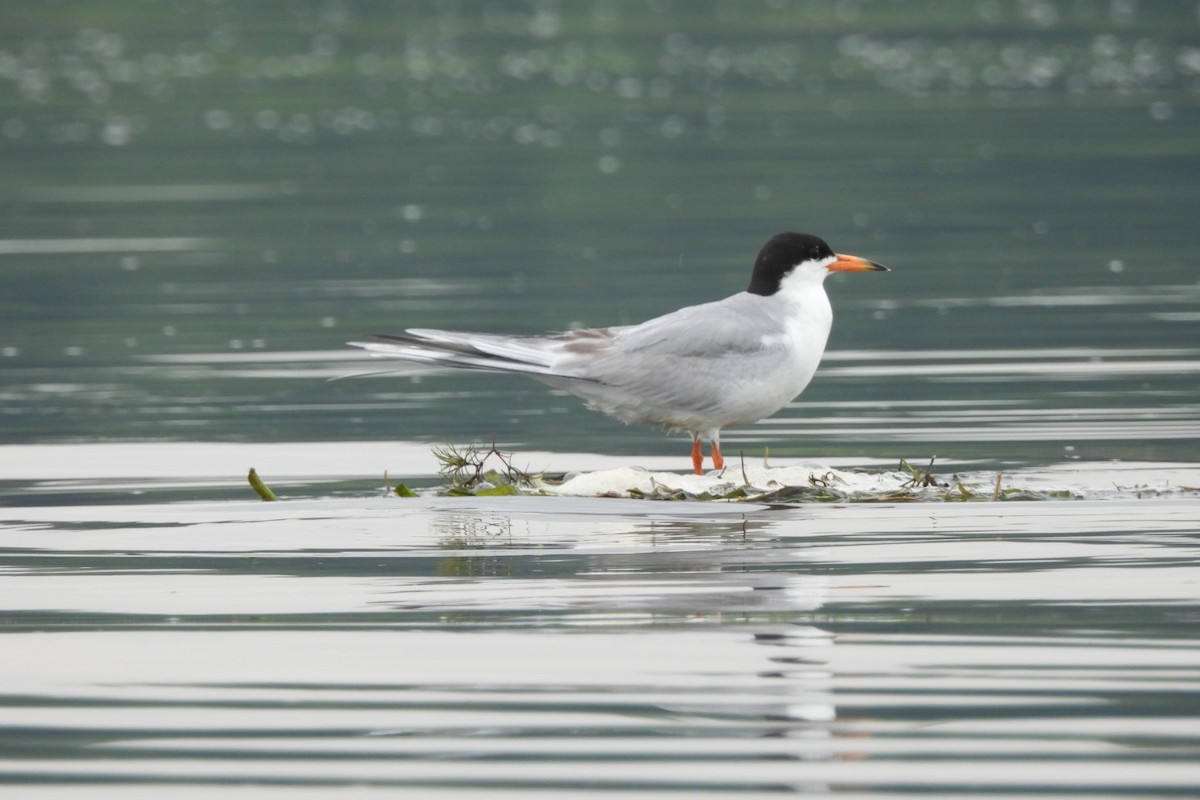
(814,253)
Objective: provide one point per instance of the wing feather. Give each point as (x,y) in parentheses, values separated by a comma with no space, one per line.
(694,369)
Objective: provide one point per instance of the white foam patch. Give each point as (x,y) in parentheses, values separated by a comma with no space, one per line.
(755,480)
(1075,481)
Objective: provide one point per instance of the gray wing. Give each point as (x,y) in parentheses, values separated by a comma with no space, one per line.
(698,361)
(689,369)
(734,326)
(591,354)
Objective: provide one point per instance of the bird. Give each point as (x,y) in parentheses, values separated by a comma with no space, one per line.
(722,364)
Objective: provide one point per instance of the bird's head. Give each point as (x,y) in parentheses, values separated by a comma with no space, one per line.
(804,257)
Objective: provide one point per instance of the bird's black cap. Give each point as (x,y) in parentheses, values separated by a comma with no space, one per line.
(780,255)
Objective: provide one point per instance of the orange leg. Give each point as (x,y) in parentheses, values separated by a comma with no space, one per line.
(697,456)
(718,462)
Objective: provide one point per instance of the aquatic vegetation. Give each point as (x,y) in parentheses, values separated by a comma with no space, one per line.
(476,470)
(485,470)
(466,470)
(260,488)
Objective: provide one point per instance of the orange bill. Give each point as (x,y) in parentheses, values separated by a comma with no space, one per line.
(847,263)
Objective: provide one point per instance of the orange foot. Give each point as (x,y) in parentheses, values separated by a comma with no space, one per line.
(697,457)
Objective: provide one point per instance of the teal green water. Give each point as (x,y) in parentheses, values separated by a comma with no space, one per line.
(201,202)
(203,178)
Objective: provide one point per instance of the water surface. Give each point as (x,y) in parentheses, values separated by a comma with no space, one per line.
(581,646)
(202,202)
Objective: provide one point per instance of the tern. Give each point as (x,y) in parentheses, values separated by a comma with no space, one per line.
(702,368)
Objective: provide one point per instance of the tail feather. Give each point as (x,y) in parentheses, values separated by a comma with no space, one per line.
(451,349)
(522,349)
